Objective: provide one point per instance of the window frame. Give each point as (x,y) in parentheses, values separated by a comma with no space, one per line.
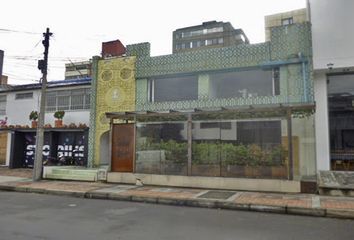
(66,98)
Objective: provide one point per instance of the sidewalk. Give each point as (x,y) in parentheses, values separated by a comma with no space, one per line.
(298,204)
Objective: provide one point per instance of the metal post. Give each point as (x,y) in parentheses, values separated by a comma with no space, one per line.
(189,136)
(42,65)
(290,146)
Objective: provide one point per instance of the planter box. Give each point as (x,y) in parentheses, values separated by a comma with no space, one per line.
(206,170)
(233,171)
(174,169)
(279,172)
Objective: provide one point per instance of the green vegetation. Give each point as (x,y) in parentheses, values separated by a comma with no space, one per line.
(210,153)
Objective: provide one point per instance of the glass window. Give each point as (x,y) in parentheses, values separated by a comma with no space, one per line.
(196,44)
(341,119)
(2,104)
(263,133)
(244,84)
(286,21)
(215,29)
(27,95)
(174,89)
(276,81)
(68,99)
(161,148)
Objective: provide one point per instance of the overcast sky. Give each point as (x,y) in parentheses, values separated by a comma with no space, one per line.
(80,26)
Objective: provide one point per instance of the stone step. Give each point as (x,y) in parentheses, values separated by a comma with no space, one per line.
(336,183)
(88,177)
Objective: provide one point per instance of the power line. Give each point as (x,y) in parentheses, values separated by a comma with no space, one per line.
(17,31)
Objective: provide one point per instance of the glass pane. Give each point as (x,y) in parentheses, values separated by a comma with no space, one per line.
(206,148)
(341,121)
(51,103)
(63,103)
(162,148)
(77,102)
(241,84)
(176,89)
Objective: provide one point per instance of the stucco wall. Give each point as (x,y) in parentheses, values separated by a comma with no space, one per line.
(332,33)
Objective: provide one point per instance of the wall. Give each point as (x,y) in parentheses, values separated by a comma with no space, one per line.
(332,33)
(113,90)
(321,122)
(332,41)
(287,42)
(18,110)
(299,16)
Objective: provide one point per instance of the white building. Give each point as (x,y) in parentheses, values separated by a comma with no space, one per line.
(333,63)
(17,102)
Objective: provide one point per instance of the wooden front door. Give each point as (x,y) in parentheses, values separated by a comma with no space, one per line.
(123,147)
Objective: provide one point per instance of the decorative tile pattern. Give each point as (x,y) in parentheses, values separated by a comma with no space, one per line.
(91,140)
(296,84)
(115,92)
(240,56)
(139,49)
(288,41)
(203,86)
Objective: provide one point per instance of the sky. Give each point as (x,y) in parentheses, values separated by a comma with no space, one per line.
(80,26)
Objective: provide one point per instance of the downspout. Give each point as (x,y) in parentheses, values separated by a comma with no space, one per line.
(304,80)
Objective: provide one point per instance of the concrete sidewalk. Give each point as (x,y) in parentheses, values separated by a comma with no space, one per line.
(301,204)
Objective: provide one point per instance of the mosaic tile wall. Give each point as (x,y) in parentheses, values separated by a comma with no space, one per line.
(287,42)
(139,49)
(115,92)
(204,60)
(92,130)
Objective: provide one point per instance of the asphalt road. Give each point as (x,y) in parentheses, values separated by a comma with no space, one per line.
(35,216)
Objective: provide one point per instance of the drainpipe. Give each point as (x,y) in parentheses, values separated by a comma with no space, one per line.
(304,80)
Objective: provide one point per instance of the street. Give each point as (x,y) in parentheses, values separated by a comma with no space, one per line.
(36,216)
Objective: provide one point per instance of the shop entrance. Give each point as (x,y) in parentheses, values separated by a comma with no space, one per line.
(341,121)
(123,147)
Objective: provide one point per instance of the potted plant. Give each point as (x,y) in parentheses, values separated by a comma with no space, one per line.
(33,117)
(59,118)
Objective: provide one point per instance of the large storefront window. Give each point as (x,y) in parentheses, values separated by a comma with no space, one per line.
(161,148)
(240,148)
(244,84)
(341,121)
(274,143)
(173,89)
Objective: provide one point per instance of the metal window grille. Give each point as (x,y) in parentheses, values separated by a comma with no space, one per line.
(76,99)
(27,95)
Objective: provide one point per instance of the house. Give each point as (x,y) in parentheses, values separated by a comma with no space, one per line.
(234,117)
(16,103)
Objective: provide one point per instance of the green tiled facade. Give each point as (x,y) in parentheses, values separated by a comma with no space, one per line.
(289,49)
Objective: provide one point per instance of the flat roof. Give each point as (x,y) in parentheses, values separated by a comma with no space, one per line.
(50,84)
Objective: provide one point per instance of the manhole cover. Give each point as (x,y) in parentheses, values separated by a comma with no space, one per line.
(217,195)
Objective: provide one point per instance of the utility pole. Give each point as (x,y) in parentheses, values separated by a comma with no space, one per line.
(43,66)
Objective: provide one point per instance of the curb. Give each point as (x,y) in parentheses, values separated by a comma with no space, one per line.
(201,203)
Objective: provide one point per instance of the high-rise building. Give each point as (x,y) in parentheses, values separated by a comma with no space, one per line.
(207,35)
(76,70)
(283,19)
